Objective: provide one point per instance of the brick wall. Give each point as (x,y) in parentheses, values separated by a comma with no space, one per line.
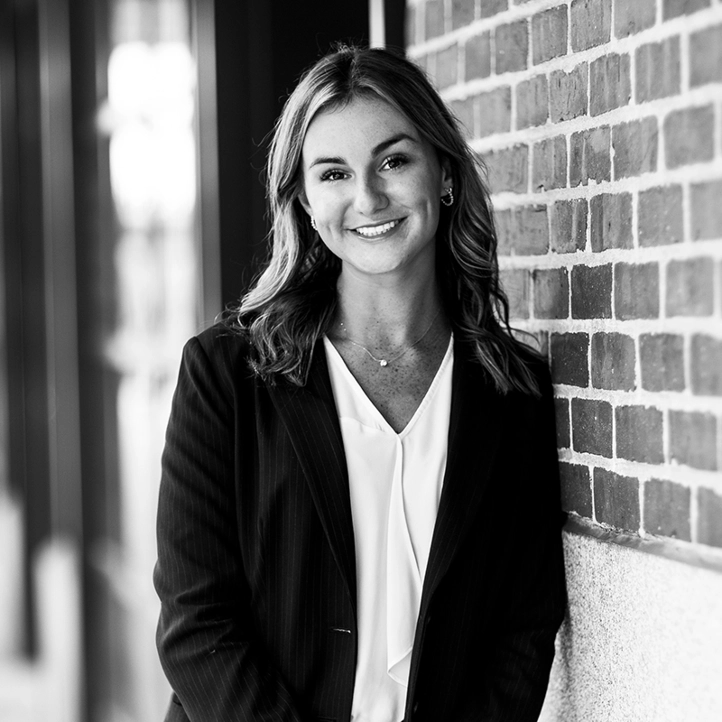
(601,125)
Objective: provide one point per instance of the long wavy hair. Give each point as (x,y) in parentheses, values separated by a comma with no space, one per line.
(293,301)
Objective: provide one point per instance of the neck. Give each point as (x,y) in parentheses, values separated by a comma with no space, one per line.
(386,316)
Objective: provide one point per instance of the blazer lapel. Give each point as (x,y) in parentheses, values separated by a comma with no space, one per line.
(475,428)
(311,419)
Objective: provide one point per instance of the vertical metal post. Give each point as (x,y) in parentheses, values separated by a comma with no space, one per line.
(59,567)
(377,24)
(208,214)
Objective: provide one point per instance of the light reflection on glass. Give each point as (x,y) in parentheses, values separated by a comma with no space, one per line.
(152,148)
(149,117)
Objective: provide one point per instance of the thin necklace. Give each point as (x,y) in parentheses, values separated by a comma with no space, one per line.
(384,362)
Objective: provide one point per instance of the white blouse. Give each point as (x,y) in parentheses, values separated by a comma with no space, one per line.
(395,485)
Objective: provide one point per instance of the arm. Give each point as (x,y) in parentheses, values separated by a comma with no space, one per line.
(521,660)
(205,637)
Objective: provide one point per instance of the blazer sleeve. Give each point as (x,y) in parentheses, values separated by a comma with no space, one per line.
(206,640)
(521,659)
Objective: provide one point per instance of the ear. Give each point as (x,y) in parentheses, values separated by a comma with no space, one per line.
(304,202)
(446,177)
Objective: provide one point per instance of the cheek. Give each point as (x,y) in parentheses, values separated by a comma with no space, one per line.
(320,200)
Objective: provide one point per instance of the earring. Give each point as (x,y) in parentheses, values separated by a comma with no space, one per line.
(313,224)
(448,200)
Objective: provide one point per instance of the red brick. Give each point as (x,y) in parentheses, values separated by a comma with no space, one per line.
(667,509)
(478,56)
(635,147)
(706,365)
(706,210)
(633,17)
(576,489)
(524,232)
(640,433)
(613,361)
(549,34)
(658,70)
(660,218)
(447,66)
(549,164)
(592,427)
(508,169)
(609,75)
(590,157)
(551,293)
(532,100)
(542,342)
(693,439)
(662,362)
(611,221)
(689,136)
(591,23)
(570,358)
(512,47)
(494,111)
(675,8)
(705,56)
(516,282)
(568,93)
(462,13)
(569,225)
(616,500)
(561,411)
(690,287)
(434,18)
(636,290)
(464,112)
(709,517)
(488,8)
(506,231)
(592,292)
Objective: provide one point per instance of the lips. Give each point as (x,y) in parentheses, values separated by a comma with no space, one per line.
(377,230)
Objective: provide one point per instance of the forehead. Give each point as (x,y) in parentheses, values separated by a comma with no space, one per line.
(355,129)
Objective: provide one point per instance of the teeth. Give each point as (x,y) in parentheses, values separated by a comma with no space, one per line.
(371,231)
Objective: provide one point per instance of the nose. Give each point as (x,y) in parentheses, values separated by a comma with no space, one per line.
(370,195)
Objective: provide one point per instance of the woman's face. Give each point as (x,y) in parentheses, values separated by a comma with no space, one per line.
(374,187)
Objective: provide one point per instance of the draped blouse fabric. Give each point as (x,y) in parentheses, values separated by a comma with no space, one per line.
(395,484)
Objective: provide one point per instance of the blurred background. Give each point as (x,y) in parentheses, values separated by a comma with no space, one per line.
(132,213)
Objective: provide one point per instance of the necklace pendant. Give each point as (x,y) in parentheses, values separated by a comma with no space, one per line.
(383,363)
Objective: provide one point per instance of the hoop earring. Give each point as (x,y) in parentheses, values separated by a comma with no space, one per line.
(313,224)
(448,200)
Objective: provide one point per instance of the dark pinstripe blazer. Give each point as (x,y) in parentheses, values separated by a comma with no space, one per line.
(256,562)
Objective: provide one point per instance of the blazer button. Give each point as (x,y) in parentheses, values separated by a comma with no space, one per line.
(341,630)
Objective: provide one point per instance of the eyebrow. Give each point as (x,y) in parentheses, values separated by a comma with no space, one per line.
(376,150)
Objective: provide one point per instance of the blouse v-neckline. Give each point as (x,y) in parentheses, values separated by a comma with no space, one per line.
(341,365)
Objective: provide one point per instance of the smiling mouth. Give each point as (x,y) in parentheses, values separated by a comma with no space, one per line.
(376,231)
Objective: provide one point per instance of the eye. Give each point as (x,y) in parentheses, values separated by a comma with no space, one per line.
(394,162)
(333,175)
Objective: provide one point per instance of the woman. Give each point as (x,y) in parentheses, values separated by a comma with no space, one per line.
(359,510)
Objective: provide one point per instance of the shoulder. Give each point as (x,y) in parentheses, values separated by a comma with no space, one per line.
(223,341)
(221,353)
(539,368)
(522,361)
